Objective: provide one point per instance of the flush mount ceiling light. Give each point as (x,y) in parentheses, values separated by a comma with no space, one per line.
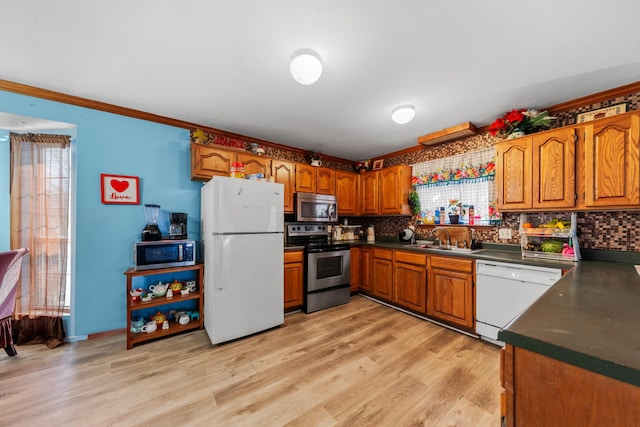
(403,114)
(305,66)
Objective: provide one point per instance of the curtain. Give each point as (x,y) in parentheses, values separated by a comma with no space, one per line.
(457,183)
(39,197)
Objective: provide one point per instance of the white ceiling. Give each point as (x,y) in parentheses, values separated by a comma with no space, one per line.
(224,64)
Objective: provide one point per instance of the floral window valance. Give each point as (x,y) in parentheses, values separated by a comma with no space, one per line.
(464,168)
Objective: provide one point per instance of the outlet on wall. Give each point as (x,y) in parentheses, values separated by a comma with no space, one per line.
(504,233)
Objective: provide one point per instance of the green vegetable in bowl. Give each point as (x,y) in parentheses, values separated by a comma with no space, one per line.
(552,246)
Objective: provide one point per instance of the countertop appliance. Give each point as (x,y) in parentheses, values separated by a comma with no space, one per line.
(163,254)
(311,207)
(504,290)
(327,266)
(151,231)
(243,244)
(178,225)
(407,236)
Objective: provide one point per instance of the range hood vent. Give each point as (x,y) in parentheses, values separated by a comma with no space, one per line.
(449,134)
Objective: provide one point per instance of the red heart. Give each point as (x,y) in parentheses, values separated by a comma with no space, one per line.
(119,186)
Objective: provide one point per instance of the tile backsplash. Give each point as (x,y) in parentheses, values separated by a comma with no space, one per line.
(618,231)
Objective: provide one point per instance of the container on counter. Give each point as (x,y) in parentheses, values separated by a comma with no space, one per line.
(471,215)
(237,170)
(442,215)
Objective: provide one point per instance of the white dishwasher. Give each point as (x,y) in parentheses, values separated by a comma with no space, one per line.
(504,290)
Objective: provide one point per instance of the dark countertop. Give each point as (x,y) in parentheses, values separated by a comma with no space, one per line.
(590,318)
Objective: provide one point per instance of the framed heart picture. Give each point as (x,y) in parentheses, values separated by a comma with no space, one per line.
(120,189)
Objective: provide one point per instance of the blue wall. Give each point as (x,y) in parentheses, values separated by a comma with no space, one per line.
(109,143)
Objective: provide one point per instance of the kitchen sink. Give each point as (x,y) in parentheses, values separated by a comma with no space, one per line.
(451,249)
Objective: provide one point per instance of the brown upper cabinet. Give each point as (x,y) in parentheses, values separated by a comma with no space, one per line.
(591,165)
(305,178)
(369,193)
(285,173)
(386,192)
(313,179)
(208,161)
(395,186)
(611,161)
(325,181)
(347,192)
(255,164)
(513,173)
(537,171)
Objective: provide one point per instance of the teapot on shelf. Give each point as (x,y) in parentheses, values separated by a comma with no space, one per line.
(159,318)
(159,289)
(176,286)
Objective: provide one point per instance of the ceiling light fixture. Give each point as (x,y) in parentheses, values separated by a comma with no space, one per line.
(403,114)
(305,66)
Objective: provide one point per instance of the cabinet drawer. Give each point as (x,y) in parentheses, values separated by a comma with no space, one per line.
(411,258)
(452,263)
(296,256)
(383,253)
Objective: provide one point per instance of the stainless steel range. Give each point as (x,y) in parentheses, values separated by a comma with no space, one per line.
(327,267)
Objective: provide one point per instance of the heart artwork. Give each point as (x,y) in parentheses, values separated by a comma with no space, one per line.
(119,186)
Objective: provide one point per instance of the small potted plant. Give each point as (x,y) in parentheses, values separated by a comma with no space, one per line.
(414,203)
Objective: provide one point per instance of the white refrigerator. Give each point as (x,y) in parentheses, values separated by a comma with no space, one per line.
(243,244)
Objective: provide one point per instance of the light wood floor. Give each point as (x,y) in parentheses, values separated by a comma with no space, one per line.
(361,364)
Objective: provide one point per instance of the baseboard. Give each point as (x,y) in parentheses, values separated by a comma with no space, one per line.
(107,333)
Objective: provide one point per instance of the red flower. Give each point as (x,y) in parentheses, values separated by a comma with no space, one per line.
(514,116)
(497,126)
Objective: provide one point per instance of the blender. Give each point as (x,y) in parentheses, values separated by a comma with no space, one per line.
(151,231)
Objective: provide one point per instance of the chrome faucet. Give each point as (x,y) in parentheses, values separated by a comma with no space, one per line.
(448,242)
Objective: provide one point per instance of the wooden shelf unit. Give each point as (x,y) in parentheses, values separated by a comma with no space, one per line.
(174,328)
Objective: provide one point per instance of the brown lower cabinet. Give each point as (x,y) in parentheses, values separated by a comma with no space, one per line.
(410,281)
(355,269)
(450,291)
(293,280)
(382,272)
(541,391)
(366,267)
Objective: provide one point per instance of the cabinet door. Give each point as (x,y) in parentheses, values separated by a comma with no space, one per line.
(410,282)
(208,161)
(355,269)
(347,193)
(255,164)
(554,164)
(395,185)
(612,161)
(325,181)
(284,173)
(369,193)
(382,273)
(305,178)
(366,267)
(513,173)
(450,297)
(293,279)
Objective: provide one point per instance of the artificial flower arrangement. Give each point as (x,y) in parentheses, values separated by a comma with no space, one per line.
(363,165)
(523,120)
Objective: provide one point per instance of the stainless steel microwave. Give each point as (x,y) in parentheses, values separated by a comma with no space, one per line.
(163,254)
(311,207)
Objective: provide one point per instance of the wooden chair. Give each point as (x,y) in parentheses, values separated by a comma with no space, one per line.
(10,264)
